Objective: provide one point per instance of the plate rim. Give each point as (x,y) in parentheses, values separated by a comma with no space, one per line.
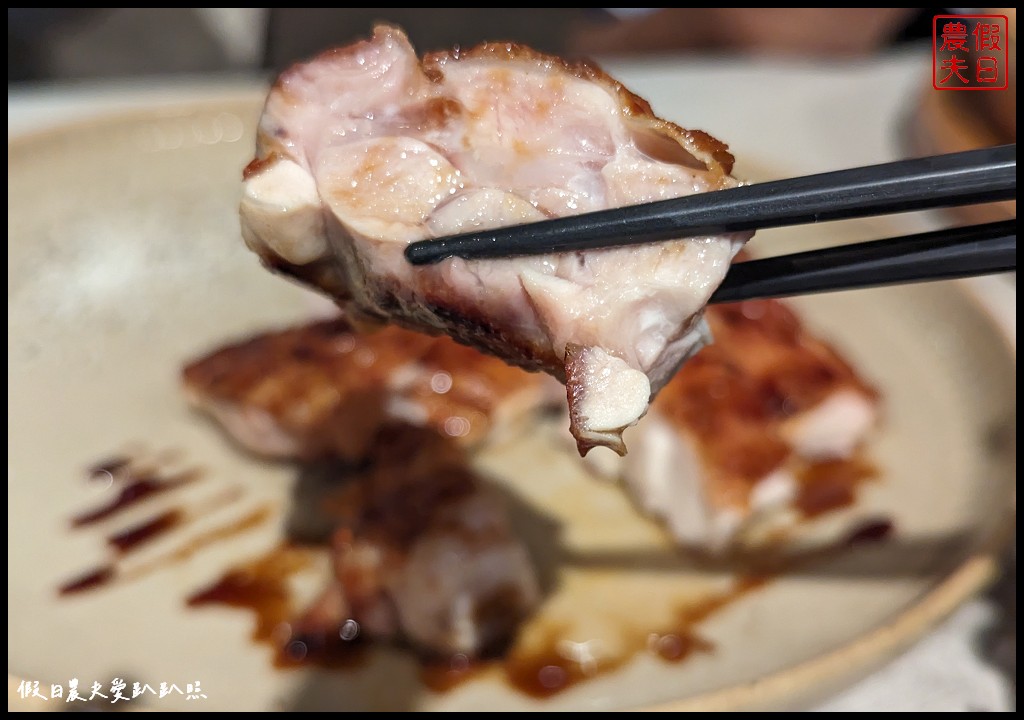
(177,101)
(841,667)
(833,670)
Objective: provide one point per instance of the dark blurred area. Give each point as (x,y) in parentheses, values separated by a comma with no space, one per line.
(78,44)
(69,43)
(74,44)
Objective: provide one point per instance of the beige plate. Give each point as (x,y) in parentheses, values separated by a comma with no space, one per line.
(125,260)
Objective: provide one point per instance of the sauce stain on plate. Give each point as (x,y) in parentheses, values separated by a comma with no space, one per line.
(139,480)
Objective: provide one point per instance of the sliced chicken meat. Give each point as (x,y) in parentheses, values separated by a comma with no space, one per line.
(423,553)
(367,148)
(324,389)
(758,429)
(765,422)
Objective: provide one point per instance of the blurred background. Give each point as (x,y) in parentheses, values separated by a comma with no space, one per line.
(65,46)
(71,43)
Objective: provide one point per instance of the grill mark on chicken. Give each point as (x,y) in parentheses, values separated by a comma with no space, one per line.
(324,389)
(764,368)
(742,429)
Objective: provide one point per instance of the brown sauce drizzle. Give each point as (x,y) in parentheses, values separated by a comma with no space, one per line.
(546,671)
(108,468)
(89,581)
(127,540)
(214,535)
(138,483)
(107,574)
(137,490)
(442,676)
(870,531)
(831,485)
(262,587)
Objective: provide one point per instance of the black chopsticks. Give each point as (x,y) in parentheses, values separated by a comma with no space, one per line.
(966,178)
(939,255)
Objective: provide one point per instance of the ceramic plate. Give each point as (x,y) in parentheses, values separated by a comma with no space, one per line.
(125,261)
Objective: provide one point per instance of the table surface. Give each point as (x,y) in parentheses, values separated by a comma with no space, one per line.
(810,118)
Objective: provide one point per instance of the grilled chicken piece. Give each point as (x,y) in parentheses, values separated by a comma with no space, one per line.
(366,148)
(324,389)
(423,553)
(760,426)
